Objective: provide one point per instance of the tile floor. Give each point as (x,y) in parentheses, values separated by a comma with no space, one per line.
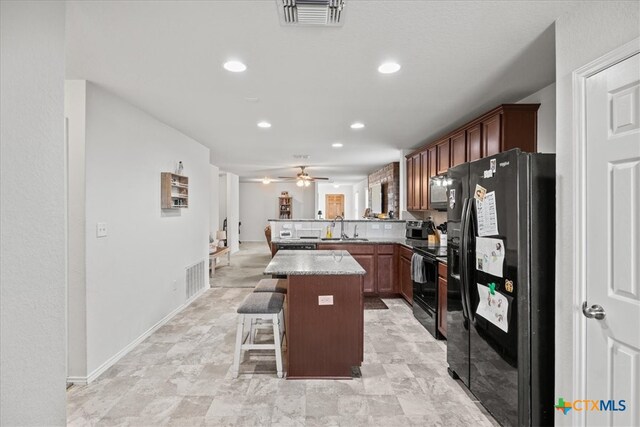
(180,376)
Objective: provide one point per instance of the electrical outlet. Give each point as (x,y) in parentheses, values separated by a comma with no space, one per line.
(388,227)
(375,226)
(101,229)
(325,299)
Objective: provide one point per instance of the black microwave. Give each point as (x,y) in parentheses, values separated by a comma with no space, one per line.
(438,192)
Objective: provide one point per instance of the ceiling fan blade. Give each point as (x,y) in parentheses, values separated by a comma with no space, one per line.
(316,178)
(287,177)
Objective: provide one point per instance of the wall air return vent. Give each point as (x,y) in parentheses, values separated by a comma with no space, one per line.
(311,12)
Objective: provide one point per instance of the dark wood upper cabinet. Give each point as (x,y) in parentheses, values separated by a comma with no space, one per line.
(410,188)
(417,178)
(458,148)
(474,142)
(443,156)
(433,161)
(424,181)
(492,135)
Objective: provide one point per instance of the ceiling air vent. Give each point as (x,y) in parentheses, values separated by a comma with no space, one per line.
(311,12)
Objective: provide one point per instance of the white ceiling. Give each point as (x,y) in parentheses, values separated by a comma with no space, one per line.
(458,59)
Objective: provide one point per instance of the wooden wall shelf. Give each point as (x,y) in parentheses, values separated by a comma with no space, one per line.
(174,191)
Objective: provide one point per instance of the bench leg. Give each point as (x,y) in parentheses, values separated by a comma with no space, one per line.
(277,343)
(235,369)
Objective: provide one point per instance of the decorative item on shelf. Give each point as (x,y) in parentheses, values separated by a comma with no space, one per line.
(284,193)
(179,168)
(221,236)
(319,214)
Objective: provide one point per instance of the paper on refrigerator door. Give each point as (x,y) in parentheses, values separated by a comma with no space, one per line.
(494,307)
(487,215)
(490,255)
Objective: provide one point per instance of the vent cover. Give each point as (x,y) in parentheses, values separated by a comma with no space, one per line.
(311,12)
(195,279)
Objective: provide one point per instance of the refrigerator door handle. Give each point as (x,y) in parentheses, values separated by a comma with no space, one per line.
(463,260)
(466,228)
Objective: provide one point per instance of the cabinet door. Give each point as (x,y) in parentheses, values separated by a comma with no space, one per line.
(410,188)
(417,184)
(368,263)
(406,285)
(442,306)
(474,143)
(386,274)
(443,157)
(491,135)
(458,148)
(424,182)
(433,161)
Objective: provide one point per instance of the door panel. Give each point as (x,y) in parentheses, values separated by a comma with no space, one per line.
(613,239)
(474,143)
(443,157)
(458,148)
(386,273)
(368,263)
(491,133)
(424,181)
(410,188)
(334,205)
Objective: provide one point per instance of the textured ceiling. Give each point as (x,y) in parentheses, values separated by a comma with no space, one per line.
(458,59)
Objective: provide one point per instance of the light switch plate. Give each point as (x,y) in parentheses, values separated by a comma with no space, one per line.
(388,227)
(325,299)
(101,229)
(375,226)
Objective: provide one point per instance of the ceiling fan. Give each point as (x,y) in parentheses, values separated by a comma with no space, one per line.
(303,179)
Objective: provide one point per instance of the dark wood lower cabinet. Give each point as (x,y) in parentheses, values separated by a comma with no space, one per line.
(442,306)
(386,270)
(406,285)
(368,262)
(442,298)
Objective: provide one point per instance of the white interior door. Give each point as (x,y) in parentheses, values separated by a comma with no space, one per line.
(613,242)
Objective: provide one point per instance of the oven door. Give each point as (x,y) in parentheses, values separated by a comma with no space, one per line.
(425,296)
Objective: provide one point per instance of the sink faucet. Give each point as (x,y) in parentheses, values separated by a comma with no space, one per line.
(342,233)
(355,231)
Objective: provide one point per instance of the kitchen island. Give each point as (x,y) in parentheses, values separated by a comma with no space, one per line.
(325,312)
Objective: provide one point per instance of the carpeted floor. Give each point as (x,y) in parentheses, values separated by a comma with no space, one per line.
(246,267)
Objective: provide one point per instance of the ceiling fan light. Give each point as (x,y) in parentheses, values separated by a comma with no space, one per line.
(266,180)
(300,183)
(307,183)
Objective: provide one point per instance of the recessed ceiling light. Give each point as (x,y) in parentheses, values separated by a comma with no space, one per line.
(336,185)
(234,66)
(357,125)
(337,145)
(264,124)
(389,68)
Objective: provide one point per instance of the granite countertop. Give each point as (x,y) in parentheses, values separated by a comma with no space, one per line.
(409,243)
(312,263)
(346,220)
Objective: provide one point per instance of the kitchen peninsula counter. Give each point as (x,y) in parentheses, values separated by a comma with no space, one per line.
(325,312)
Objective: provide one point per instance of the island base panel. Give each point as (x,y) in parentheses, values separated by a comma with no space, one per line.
(324,341)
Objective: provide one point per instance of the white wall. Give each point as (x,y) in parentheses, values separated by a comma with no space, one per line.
(32,214)
(135,276)
(259,203)
(214,207)
(75,102)
(546,97)
(362,188)
(594,29)
(233,211)
(322,189)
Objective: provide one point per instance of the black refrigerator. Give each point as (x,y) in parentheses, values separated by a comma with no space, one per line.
(501,272)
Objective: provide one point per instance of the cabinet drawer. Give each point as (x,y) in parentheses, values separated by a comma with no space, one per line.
(385,249)
(352,249)
(406,252)
(442,270)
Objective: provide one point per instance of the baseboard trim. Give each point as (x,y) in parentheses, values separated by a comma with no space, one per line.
(119,355)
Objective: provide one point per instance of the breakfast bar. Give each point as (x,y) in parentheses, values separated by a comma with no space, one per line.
(324,316)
